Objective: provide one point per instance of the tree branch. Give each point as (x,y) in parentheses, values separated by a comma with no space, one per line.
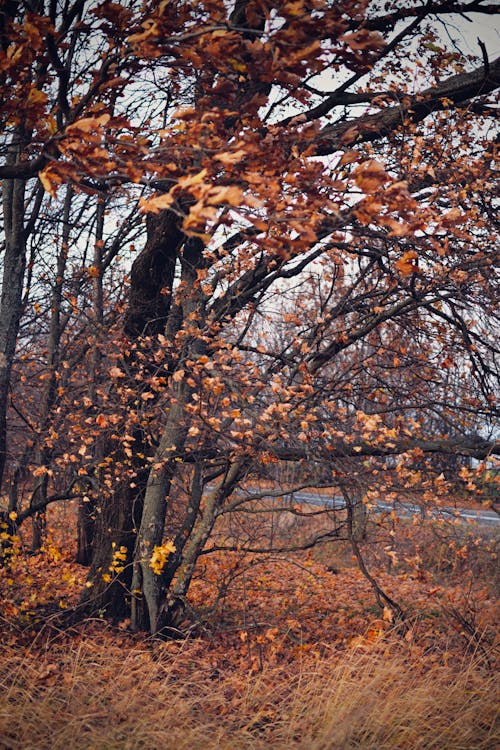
(453,90)
(473,446)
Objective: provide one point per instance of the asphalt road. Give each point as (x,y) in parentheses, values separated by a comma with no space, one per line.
(482,517)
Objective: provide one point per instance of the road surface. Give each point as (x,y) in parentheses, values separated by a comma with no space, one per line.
(482,516)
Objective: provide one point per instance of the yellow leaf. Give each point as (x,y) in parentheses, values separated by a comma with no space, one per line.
(237,65)
(160,556)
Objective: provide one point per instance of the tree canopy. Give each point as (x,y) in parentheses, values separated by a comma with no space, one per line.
(240,240)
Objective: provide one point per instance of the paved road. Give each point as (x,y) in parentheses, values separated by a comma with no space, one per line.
(482,517)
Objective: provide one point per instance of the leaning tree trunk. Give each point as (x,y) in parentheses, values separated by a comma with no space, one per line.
(172,598)
(147,585)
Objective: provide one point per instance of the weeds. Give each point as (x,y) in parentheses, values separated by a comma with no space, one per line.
(96,691)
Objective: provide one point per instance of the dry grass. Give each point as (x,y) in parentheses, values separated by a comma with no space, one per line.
(104,692)
(292,654)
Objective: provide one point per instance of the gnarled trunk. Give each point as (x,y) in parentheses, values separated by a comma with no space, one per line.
(118,514)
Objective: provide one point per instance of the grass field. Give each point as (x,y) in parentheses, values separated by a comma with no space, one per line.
(283,652)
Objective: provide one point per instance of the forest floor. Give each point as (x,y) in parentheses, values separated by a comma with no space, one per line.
(289,651)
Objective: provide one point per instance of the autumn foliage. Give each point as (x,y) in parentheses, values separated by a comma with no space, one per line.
(248,253)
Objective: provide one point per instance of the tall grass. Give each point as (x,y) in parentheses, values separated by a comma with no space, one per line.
(85,695)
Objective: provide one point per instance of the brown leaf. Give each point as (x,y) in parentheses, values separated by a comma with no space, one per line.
(370,176)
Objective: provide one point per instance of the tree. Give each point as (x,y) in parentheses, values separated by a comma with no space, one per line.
(317,253)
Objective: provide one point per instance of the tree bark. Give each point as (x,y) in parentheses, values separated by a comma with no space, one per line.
(11,303)
(171,610)
(450,92)
(87,505)
(43,454)
(117,519)
(118,514)
(147,585)
(152,277)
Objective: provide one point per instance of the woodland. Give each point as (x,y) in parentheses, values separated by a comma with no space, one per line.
(249,351)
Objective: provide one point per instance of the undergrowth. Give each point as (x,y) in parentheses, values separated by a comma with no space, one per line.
(280,652)
(95,690)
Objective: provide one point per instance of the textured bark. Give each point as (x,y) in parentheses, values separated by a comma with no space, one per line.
(116,521)
(471,445)
(147,585)
(171,610)
(118,516)
(85,529)
(43,454)
(87,506)
(452,91)
(14,263)
(152,277)
(38,519)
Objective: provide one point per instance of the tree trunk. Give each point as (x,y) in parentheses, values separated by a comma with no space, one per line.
(172,604)
(146,583)
(12,290)
(38,520)
(85,528)
(356,509)
(87,504)
(118,515)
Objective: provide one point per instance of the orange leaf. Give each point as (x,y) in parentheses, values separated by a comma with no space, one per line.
(405,264)
(156,204)
(87,124)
